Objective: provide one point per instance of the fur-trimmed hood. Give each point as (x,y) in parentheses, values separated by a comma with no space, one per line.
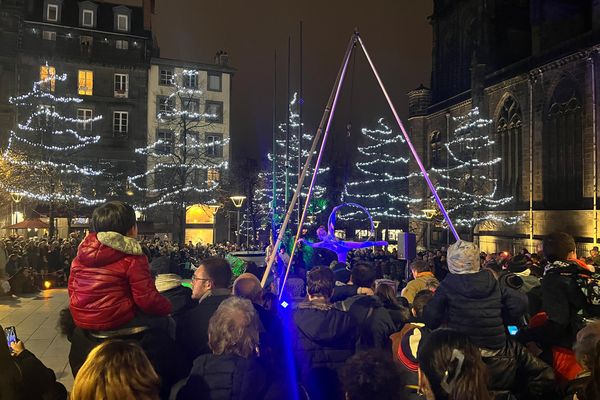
(98,249)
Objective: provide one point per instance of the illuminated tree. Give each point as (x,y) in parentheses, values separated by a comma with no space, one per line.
(42,151)
(184,169)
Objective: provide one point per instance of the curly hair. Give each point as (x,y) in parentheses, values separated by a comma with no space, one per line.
(371,375)
(233,328)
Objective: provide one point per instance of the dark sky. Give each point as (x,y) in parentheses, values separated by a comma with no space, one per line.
(396,32)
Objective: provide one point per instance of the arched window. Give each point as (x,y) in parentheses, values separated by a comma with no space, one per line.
(562,148)
(510,148)
(435,149)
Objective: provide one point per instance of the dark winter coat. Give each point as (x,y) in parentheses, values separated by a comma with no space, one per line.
(192,326)
(375,325)
(39,382)
(342,292)
(514,369)
(562,300)
(225,377)
(323,338)
(181,300)
(475,304)
(110,282)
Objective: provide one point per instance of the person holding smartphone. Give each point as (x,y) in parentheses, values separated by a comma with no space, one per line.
(24,376)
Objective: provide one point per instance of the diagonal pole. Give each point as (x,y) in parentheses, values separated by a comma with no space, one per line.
(410,145)
(325,119)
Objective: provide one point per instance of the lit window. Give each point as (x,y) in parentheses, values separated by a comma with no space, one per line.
(48,75)
(122,44)
(214,81)
(52,13)
(122,23)
(84,115)
(166,76)
(86,82)
(121,85)
(120,122)
(49,35)
(212,176)
(87,18)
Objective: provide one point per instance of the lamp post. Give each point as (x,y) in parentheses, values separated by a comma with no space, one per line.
(16,197)
(214,208)
(237,202)
(429,213)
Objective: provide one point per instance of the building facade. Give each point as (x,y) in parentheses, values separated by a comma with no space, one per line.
(214,83)
(532,67)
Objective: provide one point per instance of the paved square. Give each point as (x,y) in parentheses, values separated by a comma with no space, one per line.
(36,320)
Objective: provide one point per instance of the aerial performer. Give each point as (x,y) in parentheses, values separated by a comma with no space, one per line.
(340,247)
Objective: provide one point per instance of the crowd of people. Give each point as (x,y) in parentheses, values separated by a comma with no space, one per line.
(453,324)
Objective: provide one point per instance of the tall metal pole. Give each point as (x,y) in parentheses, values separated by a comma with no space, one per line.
(409,142)
(329,109)
(237,235)
(274,152)
(287,128)
(300,127)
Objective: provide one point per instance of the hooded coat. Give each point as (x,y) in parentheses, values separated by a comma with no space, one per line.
(323,339)
(110,281)
(476,305)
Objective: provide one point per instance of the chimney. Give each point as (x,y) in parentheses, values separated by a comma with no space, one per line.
(222,58)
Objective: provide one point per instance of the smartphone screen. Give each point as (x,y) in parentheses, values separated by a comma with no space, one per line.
(11,335)
(513,330)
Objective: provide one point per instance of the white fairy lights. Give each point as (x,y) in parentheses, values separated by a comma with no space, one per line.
(43,146)
(378,183)
(466,187)
(180,162)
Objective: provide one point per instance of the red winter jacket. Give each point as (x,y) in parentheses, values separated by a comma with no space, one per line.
(110,279)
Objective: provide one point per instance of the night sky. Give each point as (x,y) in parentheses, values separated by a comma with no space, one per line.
(396,33)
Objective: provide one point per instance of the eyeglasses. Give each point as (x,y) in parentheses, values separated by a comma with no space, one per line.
(195,278)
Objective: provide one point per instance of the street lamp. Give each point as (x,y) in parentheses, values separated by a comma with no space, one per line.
(429,213)
(16,197)
(376,225)
(237,202)
(214,208)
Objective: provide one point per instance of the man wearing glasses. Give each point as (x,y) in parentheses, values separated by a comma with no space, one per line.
(210,286)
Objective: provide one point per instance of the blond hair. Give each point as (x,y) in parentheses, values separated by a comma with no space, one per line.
(116,370)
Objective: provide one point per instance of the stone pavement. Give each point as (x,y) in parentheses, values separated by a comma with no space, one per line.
(36,319)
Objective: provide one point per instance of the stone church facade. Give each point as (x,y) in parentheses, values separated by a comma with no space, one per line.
(533,67)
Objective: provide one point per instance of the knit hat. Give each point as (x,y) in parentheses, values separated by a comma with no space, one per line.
(463,258)
(518,263)
(166,282)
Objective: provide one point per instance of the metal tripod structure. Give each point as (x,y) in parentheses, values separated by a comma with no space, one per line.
(323,130)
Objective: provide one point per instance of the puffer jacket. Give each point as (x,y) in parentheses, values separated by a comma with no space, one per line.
(110,281)
(323,339)
(514,369)
(476,305)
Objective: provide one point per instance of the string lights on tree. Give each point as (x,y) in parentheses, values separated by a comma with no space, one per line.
(43,149)
(184,166)
(380,181)
(299,146)
(467,186)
